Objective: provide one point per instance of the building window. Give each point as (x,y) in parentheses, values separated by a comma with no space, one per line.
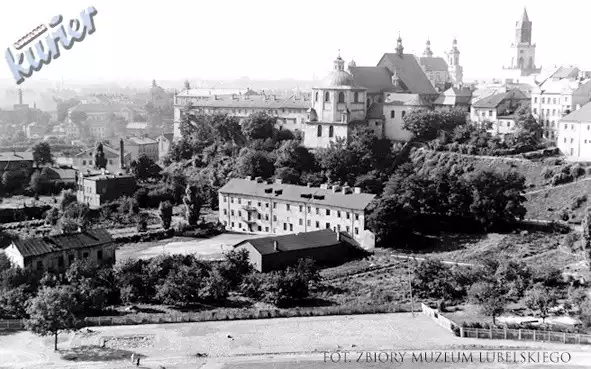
(267,205)
(565,140)
(326,97)
(403,114)
(330,131)
(317,224)
(232,212)
(266,217)
(356,216)
(572,140)
(572,126)
(239,213)
(338,213)
(70,259)
(301,221)
(327,225)
(274,205)
(341,97)
(259,216)
(301,208)
(60,261)
(85,255)
(83,162)
(39,265)
(490,113)
(508,124)
(274,218)
(356,230)
(232,224)
(535,111)
(239,201)
(565,126)
(348,215)
(588,127)
(290,227)
(231,200)
(348,229)
(553,111)
(285,226)
(535,100)
(319,132)
(225,211)
(309,222)
(317,211)
(309,209)
(260,228)
(393,114)
(266,229)
(554,101)
(356,97)
(327,212)
(287,207)
(225,199)
(99,254)
(543,100)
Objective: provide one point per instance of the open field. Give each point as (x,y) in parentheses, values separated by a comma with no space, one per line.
(549,203)
(178,345)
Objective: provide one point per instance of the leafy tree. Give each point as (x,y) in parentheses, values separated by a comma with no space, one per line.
(39,182)
(258,126)
(5,263)
(53,216)
(100,160)
(288,175)
(338,163)
(142,222)
(490,297)
(586,234)
(255,164)
(13,302)
(42,154)
(68,197)
(292,285)
(292,155)
(76,216)
(94,285)
(217,287)
(433,279)
(53,310)
(182,286)
(540,298)
(236,267)
(513,278)
(144,168)
(193,203)
(12,181)
(166,214)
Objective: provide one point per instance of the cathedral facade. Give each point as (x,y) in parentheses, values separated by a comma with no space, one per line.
(443,73)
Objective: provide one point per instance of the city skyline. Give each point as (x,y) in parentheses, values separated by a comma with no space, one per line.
(275,40)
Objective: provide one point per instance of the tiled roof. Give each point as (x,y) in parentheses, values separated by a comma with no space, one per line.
(98,108)
(168,136)
(61,173)
(409,71)
(212,91)
(253,102)
(496,99)
(16,156)
(376,111)
(566,72)
(110,153)
(315,195)
(45,245)
(454,96)
(374,79)
(433,64)
(581,115)
(403,99)
(139,141)
(561,86)
(94,176)
(293,242)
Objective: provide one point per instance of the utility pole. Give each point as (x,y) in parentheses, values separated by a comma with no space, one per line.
(412,308)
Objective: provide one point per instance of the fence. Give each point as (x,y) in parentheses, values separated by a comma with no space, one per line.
(243,314)
(439,319)
(16,324)
(526,335)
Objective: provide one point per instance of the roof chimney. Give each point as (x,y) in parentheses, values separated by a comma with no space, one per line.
(309,184)
(121,157)
(357,189)
(275,245)
(278,181)
(249,178)
(339,236)
(324,186)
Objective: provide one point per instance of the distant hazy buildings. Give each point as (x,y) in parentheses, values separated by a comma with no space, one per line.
(164,145)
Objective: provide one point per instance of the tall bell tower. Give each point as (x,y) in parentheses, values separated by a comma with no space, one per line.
(523,51)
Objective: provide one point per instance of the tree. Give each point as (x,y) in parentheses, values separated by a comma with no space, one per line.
(75,217)
(423,123)
(53,310)
(13,302)
(540,298)
(166,214)
(288,175)
(144,168)
(254,164)
(42,154)
(292,155)
(68,197)
(38,182)
(12,181)
(586,235)
(193,203)
(433,279)
(490,297)
(258,126)
(52,216)
(236,266)
(100,160)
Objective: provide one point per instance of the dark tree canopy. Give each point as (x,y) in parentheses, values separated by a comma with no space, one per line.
(100,160)
(42,154)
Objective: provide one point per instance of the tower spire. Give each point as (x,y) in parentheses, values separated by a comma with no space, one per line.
(399,47)
(524,17)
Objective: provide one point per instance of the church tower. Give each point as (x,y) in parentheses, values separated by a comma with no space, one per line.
(456,72)
(522,50)
(428,53)
(399,47)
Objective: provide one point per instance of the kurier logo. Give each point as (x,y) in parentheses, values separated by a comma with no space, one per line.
(44,50)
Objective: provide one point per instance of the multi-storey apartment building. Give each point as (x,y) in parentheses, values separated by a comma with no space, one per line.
(574,134)
(259,206)
(563,92)
(290,111)
(497,111)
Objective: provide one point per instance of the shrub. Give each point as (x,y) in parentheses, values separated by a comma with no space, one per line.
(561,178)
(166,214)
(142,222)
(577,202)
(577,171)
(547,173)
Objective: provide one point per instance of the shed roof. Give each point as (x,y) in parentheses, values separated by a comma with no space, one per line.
(293,242)
(45,245)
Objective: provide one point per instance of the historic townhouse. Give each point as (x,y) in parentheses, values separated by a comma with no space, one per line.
(496,112)
(574,134)
(259,206)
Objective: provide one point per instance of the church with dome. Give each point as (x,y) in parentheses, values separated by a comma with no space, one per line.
(379,96)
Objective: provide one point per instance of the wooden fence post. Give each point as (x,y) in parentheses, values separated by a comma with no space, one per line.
(505,332)
(461,331)
(490,332)
(534,334)
(579,338)
(519,334)
(564,338)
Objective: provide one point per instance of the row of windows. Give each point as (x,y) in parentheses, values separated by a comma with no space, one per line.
(301,221)
(548,111)
(290,226)
(341,97)
(288,208)
(250,111)
(393,114)
(572,140)
(60,260)
(330,131)
(500,123)
(550,100)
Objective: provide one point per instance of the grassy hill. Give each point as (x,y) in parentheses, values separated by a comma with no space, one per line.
(551,203)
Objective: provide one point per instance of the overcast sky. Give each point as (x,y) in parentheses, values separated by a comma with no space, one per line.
(273,39)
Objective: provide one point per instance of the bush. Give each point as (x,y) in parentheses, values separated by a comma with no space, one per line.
(561,178)
(577,202)
(577,171)
(166,214)
(547,173)
(142,222)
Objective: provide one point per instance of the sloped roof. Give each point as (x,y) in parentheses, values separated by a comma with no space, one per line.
(433,64)
(139,141)
(405,99)
(409,71)
(239,186)
(253,102)
(16,156)
(581,115)
(137,125)
(168,136)
(60,173)
(110,153)
(374,79)
(293,242)
(454,96)
(98,108)
(566,72)
(496,99)
(45,245)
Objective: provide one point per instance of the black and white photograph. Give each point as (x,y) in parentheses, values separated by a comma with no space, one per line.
(295,184)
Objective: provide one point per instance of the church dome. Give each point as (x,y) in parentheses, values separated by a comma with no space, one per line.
(338,78)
